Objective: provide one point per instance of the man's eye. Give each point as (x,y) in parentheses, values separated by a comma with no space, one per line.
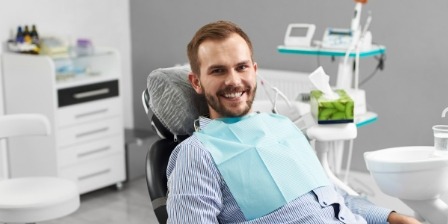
(217,71)
(242,67)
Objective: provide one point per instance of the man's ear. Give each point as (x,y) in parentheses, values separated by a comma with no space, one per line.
(195,83)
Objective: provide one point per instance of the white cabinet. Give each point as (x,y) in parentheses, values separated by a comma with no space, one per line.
(82,98)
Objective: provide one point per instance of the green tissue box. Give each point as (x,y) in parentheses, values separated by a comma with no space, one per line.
(327,111)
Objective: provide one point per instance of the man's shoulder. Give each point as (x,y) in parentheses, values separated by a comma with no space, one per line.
(191,142)
(190,147)
(190,150)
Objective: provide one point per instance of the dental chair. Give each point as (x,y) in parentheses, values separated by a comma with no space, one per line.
(33,199)
(171,106)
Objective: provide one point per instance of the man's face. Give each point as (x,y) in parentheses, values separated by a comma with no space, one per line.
(228,76)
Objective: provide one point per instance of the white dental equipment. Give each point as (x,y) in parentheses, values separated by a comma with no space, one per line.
(415,176)
(361,40)
(358,45)
(299,34)
(328,138)
(290,110)
(444,112)
(337,38)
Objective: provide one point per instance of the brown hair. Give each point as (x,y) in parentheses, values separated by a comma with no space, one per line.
(219,30)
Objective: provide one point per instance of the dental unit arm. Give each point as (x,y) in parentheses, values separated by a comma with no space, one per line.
(331,137)
(355,26)
(361,39)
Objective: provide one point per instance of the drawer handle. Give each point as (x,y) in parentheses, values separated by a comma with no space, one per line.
(91,113)
(91,93)
(93,151)
(91,132)
(101,172)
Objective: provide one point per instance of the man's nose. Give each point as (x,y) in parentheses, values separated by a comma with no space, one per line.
(233,78)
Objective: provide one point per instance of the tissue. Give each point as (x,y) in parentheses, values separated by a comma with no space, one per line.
(322,82)
(328,106)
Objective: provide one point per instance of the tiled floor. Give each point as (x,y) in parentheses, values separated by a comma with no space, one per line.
(131,205)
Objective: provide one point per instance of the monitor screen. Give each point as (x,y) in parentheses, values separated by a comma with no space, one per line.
(299,31)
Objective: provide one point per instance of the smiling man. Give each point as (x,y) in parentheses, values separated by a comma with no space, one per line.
(228,77)
(244,167)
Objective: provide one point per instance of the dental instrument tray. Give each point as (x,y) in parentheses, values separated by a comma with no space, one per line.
(332,111)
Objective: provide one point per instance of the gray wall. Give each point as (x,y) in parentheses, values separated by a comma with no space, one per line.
(409,95)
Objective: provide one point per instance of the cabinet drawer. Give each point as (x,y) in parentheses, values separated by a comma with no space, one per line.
(89,111)
(89,131)
(86,93)
(89,151)
(96,174)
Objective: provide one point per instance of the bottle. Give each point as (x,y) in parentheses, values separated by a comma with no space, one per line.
(19,35)
(27,35)
(34,36)
(84,47)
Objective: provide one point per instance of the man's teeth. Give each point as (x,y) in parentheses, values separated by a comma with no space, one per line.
(233,95)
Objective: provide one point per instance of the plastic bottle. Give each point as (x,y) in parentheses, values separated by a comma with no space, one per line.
(19,35)
(84,47)
(34,35)
(26,35)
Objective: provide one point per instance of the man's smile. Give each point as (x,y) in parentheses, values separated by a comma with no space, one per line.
(233,95)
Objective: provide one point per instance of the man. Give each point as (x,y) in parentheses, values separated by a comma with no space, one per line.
(217,176)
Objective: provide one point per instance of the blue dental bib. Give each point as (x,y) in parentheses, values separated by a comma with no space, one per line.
(265,160)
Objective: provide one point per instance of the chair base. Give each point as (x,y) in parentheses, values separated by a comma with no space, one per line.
(37,199)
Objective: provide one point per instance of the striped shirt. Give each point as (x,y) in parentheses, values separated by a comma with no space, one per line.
(197,193)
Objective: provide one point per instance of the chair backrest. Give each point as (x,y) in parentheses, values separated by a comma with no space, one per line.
(16,125)
(23,124)
(171,106)
(156,162)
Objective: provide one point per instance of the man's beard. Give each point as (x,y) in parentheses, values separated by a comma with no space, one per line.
(214,103)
